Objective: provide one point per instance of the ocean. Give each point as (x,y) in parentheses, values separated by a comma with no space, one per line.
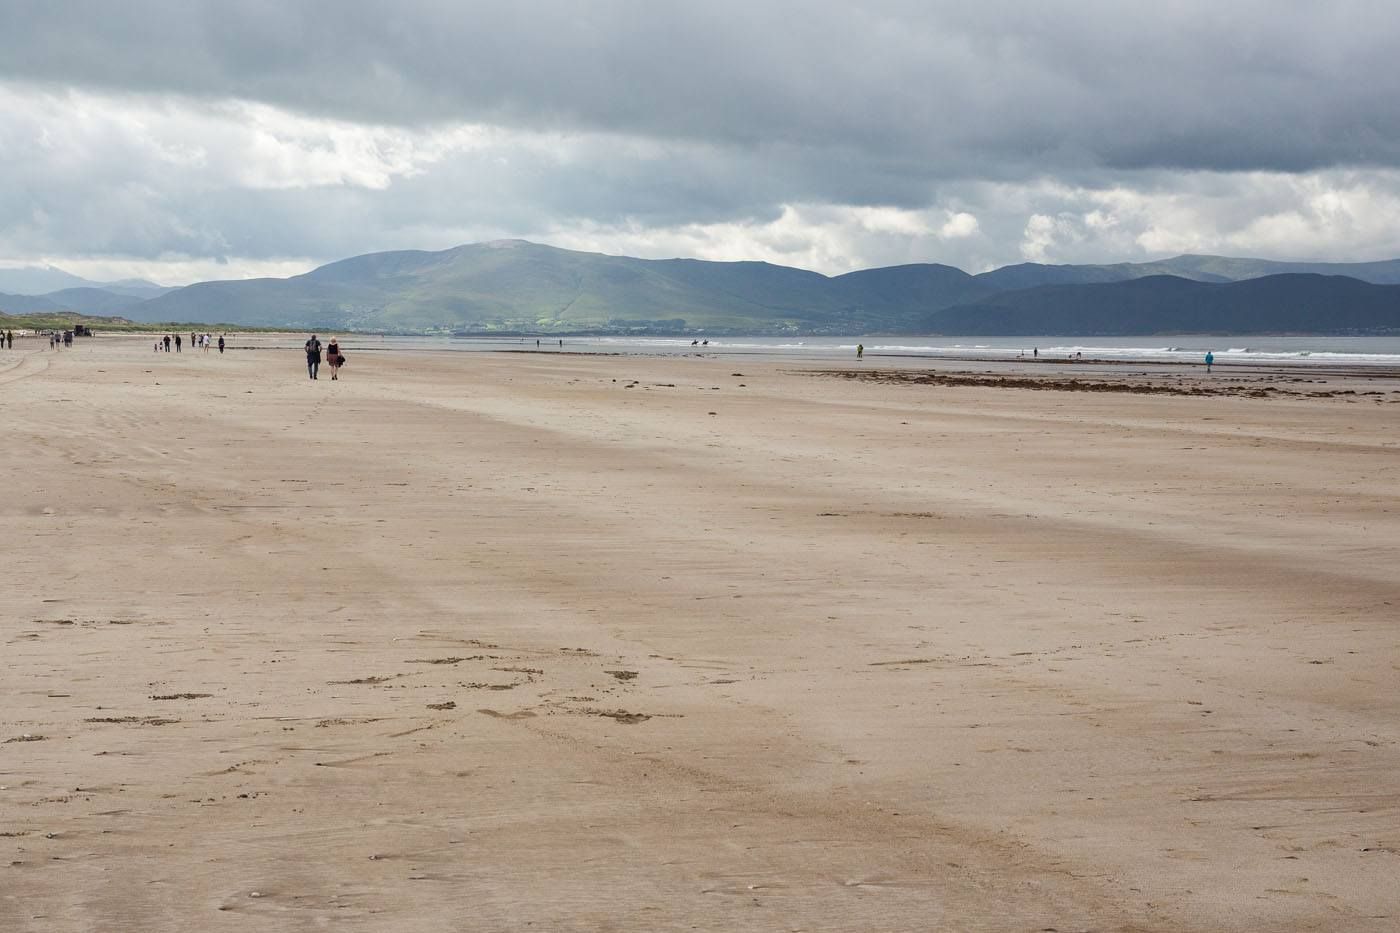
(1179,349)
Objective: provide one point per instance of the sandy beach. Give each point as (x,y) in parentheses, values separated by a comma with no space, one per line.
(502,641)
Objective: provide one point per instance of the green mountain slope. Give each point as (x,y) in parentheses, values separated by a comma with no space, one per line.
(513,285)
(1033,274)
(895,291)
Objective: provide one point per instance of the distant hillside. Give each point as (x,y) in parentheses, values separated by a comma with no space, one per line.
(43,280)
(1385,272)
(25,304)
(136,288)
(91,300)
(524,286)
(512,285)
(894,290)
(1291,303)
(515,285)
(36,280)
(1032,274)
(1198,268)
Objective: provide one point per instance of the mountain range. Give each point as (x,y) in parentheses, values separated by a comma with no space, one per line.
(45,280)
(517,286)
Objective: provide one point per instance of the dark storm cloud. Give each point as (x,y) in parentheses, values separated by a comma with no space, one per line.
(180,134)
(992,90)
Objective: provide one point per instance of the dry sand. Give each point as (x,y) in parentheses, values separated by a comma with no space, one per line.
(508,641)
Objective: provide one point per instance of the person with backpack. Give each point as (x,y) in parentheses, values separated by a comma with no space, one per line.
(313,356)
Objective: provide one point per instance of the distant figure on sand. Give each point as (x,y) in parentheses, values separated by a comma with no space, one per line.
(1035,353)
(221,343)
(1210,360)
(333,357)
(313,356)
(860,351)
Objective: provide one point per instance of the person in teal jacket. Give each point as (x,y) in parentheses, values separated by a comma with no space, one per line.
(1210,360)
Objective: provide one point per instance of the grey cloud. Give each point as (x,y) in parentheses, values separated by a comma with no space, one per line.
(991,89)
(1086,132)
(147,183)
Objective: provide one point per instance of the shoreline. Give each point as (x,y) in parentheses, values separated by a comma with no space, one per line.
(815,353)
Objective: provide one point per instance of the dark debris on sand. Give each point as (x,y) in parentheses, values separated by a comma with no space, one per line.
(1062,384)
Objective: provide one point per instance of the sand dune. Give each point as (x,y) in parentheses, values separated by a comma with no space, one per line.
(479,641)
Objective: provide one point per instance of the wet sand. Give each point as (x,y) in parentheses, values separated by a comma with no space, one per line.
(485,641)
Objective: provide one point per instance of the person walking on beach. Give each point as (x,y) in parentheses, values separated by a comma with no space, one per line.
(1210,361)
(313,356)
(221,343)
(333,357)
(860,351)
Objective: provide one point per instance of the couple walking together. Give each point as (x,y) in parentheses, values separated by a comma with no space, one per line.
(334,358)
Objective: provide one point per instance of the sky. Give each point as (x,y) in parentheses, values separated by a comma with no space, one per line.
(188,140)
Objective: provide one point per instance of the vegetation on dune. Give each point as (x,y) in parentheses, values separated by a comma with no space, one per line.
(65,320)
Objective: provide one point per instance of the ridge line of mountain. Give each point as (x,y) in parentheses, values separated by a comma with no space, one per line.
(520,286)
